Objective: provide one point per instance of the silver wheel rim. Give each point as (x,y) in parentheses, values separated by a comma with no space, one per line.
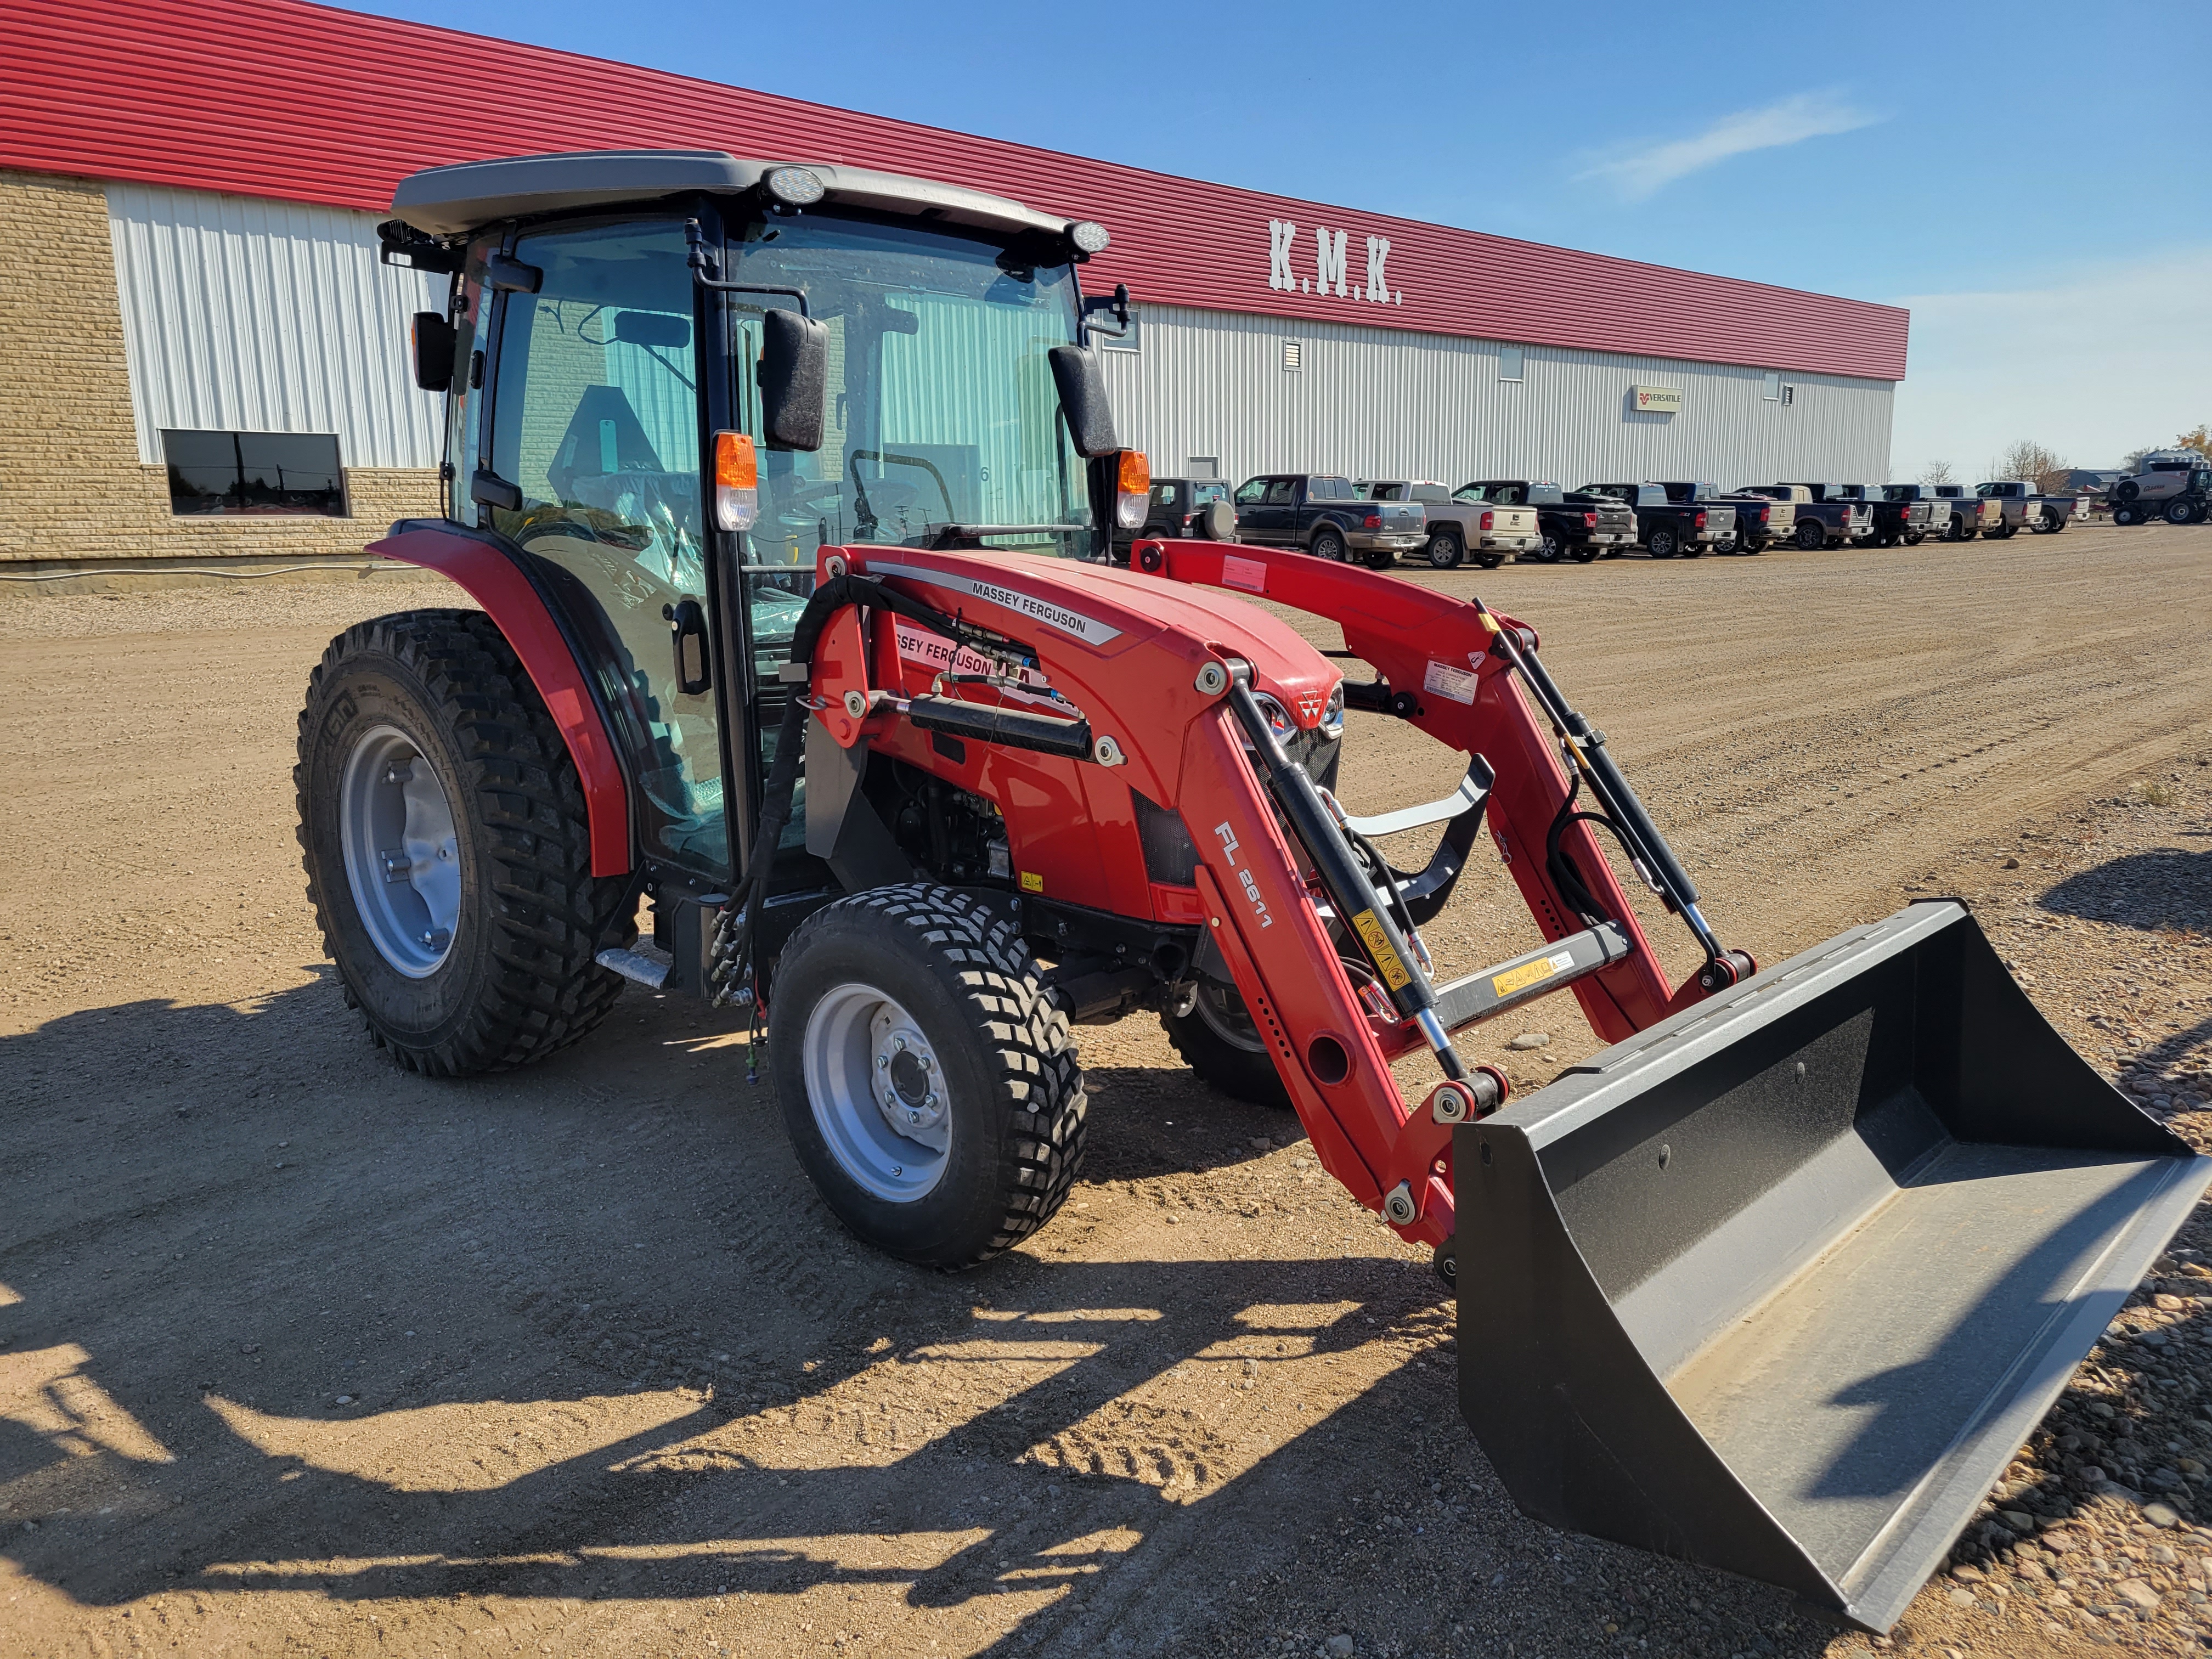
(402,855)
(1232,1024)
(877,1092)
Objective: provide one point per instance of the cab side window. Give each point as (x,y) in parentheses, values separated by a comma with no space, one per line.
(1251,492)
(1281,492)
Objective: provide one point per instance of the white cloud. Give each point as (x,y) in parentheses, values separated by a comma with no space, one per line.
(1635,173)
(2114,356)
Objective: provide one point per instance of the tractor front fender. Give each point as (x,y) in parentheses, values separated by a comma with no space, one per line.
(495,578)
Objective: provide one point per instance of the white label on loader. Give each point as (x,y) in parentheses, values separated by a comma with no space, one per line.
(1456,683)
(1250,574)
(1089,630)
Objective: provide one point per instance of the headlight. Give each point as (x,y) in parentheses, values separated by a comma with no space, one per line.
(1332,717)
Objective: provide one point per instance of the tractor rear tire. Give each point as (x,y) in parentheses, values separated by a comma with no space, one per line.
(448,857)
(1216,1040)
(926,1077)
(2181,512)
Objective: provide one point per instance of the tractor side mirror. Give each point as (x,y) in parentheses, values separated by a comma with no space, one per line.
(794,378)
(434,352)
(1083,400)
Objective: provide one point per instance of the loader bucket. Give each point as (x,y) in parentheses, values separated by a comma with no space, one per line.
(1781,1284)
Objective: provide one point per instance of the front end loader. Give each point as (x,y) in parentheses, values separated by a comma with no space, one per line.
(786,493)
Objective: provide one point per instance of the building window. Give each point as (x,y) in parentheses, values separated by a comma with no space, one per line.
(254,474)
(1772,389)
(1294,353)
(1126,341)
(1509,362)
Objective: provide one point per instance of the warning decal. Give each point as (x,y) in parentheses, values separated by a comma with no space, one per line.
(1530,973)
(1378,949)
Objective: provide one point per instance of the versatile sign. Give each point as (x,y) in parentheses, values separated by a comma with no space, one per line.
(1328,265)
(1658,399)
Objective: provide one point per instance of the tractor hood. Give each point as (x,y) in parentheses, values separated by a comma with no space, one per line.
(1109,611)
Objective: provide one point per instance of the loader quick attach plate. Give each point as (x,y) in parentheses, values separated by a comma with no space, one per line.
(1781,1284)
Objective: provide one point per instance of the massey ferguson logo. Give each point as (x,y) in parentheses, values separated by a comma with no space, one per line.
(1328,265)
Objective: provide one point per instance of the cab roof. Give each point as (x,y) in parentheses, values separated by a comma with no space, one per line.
(453,201)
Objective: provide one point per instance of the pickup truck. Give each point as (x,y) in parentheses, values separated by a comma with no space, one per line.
(1322,513)
(2026,505)
(1818,523)
(1569,524)
(1456,528)
(1947,518)
(1664,527)
(2174,484)
(1176,510)
(1759,520)
(1896,523)
(1971,516)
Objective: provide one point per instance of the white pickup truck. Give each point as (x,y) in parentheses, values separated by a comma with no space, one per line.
(1488,532)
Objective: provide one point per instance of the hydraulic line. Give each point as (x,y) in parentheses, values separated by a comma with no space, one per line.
(1307,816)
(1585,744)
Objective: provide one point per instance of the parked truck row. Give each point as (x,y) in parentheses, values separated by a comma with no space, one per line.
(1489,520)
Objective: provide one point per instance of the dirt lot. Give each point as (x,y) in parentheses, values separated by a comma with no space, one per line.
(301,1354)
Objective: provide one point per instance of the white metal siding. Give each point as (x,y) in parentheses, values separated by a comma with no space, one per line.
(245,315)
(1379,402)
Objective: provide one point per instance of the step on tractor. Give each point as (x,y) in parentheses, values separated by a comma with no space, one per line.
(785,494)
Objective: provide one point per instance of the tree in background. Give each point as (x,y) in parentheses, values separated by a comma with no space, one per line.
(2030,460)
(2200,441)
(1936,472)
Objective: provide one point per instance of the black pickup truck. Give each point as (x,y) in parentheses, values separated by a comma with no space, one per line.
(1176,510)
(1665,527)
(1573,525)
(1820,523)
(1896,523)
(1322,513)
(1755,515)
(1970,515)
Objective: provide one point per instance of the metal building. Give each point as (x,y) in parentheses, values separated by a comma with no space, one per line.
(189,195)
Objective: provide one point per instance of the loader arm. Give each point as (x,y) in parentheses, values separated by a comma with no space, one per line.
(1439,670)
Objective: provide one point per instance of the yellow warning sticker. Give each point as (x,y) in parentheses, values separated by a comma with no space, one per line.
(1378,947)
(1528,972)
(1032,882)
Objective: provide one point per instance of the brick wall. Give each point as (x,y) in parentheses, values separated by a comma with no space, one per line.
(71,484)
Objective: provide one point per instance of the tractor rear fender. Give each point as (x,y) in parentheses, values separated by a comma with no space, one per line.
(496,580)
(1436,649)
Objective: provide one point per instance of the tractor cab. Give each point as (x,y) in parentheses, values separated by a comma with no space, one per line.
(673,376)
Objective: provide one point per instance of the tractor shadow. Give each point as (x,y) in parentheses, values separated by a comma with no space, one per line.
(2168,890)
(274,1314)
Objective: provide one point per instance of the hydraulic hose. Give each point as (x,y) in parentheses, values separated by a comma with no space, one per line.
(733,955)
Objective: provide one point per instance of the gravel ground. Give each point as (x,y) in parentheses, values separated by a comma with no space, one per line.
(299,1354)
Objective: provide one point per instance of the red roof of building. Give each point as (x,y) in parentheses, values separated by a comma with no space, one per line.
(277,98)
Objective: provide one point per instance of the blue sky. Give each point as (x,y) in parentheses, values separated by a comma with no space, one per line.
(2034,180)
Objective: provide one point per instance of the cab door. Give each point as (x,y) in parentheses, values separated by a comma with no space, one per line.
(588,460)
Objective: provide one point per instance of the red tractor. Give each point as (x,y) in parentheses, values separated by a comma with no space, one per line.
(786,493)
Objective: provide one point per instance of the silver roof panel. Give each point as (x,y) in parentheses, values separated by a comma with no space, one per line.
(453,201)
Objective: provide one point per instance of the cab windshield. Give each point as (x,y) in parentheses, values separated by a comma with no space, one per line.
(944,423)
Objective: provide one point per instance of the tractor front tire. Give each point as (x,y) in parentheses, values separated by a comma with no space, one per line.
(1218,1041)
(448,857)
(927,1080)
